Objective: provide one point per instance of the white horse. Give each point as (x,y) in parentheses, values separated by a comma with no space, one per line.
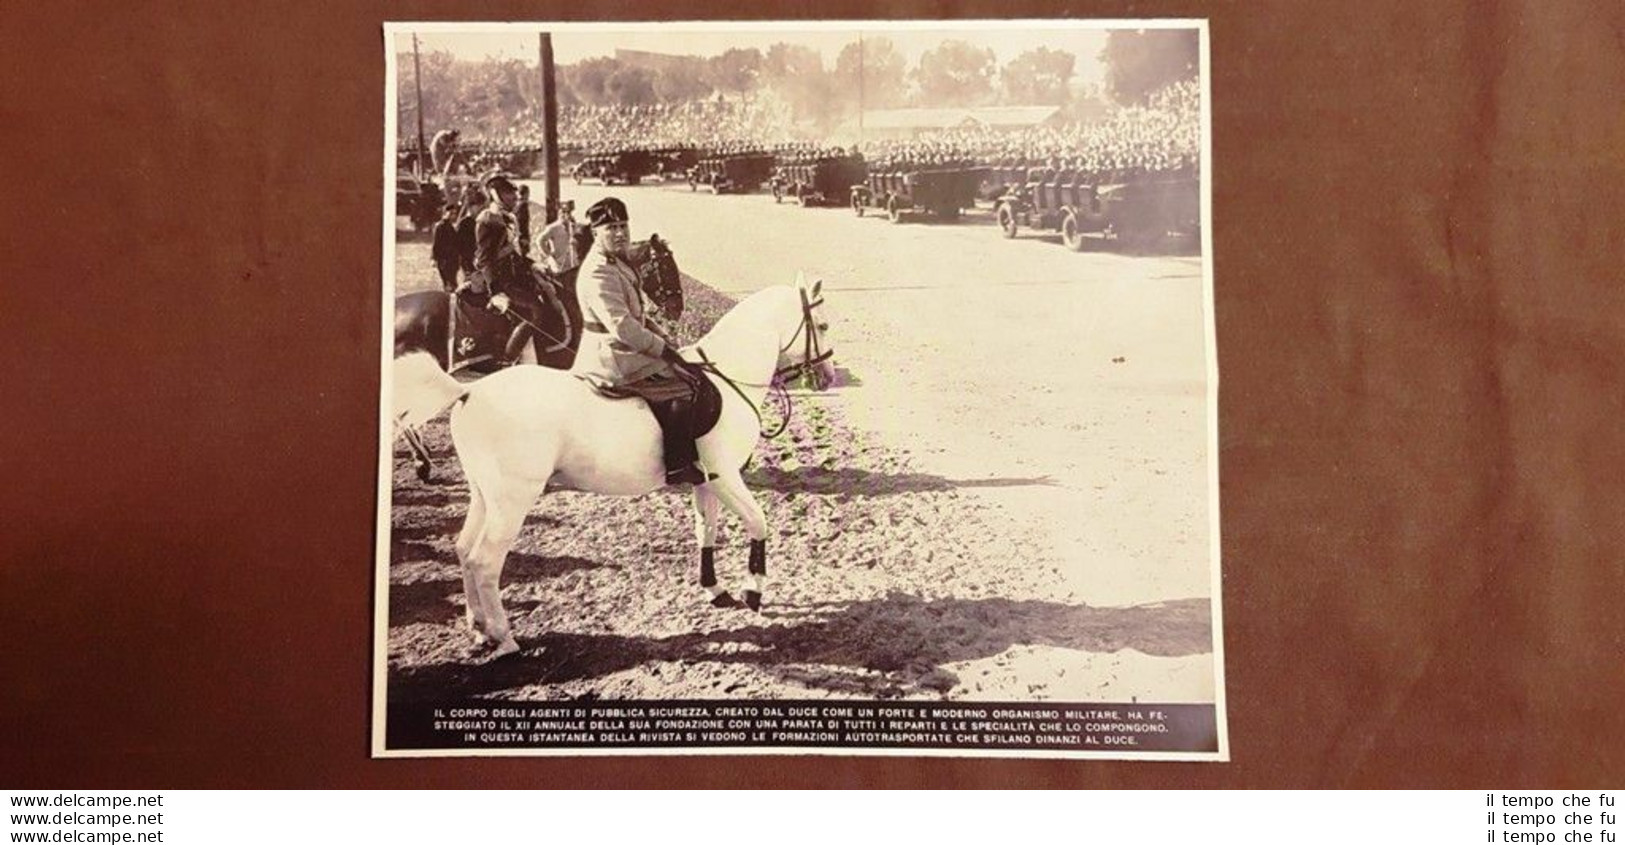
(519,429)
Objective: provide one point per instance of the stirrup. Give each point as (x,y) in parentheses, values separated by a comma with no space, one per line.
(690,474)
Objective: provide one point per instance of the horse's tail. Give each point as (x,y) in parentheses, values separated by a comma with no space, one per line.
(422,389)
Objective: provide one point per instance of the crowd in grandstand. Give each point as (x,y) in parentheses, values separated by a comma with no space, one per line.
(1161,138)
(698,123)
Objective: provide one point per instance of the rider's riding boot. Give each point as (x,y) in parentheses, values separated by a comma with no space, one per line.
(679,448)
(690,474)
(516,344)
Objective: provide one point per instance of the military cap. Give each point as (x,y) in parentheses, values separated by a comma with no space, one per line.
(606,212)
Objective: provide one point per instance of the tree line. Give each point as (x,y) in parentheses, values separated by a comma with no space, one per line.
(488,94)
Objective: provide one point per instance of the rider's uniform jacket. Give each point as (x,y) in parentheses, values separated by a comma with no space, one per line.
(617,345)
(496,251)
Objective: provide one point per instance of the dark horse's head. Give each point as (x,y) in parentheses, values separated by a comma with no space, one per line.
(658,276)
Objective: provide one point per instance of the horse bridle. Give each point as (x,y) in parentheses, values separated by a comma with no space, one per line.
(813,355)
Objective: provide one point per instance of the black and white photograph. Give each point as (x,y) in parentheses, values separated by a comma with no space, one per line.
(807,387)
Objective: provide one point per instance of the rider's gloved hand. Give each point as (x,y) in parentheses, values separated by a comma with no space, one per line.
(499,303)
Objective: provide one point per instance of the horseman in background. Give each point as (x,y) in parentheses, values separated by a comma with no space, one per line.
(445,152)
(502,270)
(623,350)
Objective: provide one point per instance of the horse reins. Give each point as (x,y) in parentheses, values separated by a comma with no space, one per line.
(557,344)
(563,312)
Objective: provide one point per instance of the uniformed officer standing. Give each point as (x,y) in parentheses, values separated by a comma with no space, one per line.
(621,348)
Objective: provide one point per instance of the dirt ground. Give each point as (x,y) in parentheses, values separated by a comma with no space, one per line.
(1006,498)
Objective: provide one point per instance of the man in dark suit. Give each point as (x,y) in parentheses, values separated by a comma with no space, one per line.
(446,254)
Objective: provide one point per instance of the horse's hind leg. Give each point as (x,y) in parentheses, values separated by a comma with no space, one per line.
(420,452)
(706,506)
(504,517)
(473,527)
(730,488)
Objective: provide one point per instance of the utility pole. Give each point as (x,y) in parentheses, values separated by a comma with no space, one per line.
(860,90)
(417,79)
(550,127)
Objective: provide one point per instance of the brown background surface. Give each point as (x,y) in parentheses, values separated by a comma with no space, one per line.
(1417,229)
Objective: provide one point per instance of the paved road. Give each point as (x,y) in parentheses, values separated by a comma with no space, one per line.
(1067,390)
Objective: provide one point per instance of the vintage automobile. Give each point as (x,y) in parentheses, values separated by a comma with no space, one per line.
(622,168)
(732,173)
(673,163)
(419,200)
(943,191)
(1139,214)
(825,180)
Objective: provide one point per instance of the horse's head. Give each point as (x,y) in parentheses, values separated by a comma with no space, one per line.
(658,275)
(808,350)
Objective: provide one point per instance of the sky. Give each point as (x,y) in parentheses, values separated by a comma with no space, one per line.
(572,43)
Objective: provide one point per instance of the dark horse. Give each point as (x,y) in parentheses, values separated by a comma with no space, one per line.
(424,323)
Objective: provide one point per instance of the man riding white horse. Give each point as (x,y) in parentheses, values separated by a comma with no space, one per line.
(623,350)
(524,428)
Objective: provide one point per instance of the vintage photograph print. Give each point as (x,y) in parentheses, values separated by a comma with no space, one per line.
(837,388)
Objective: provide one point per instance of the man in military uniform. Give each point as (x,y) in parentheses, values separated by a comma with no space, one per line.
(522,214)
(504,272)
(623,349)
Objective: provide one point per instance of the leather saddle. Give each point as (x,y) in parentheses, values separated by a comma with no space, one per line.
(477,334)
(704,413)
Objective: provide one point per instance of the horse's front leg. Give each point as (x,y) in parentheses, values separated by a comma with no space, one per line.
(730,488)
(420,452)
(706,507)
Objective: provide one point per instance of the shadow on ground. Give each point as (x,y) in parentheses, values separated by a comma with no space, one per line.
(854,481)
(438,599)
(902,642)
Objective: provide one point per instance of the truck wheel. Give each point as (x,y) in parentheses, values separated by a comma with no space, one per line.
(894,210)
(1007,220)
(1070,235)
